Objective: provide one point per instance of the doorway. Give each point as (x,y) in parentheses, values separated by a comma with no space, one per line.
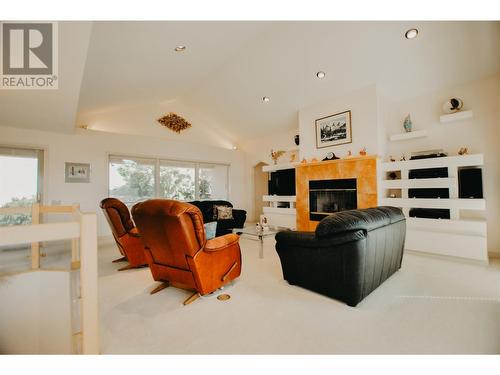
(260,189)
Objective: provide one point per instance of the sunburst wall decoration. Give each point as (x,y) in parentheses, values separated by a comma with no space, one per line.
(174,122)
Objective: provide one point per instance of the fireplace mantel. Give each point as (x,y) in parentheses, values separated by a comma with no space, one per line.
(363,169)
(337,161)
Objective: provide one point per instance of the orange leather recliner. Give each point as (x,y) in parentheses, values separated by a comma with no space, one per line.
(125,233)
(178,252)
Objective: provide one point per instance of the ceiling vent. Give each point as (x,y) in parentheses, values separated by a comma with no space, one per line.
(174,122)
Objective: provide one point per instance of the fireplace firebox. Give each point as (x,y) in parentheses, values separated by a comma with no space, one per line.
(329,196)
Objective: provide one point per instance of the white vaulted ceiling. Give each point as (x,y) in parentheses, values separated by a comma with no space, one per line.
(53,110)
(132,74)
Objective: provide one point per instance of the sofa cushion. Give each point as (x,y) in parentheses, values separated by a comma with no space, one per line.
(352,220)
(210,229)
(224,212)
(207,208)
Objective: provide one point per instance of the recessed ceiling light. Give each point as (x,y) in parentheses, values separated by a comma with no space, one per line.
(180,48)
(411,34)
(266,99)
(235,147)
(321,74)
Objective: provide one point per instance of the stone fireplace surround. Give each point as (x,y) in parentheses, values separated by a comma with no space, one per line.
(363,169)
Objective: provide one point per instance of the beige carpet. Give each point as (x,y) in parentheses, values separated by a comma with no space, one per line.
(431,305)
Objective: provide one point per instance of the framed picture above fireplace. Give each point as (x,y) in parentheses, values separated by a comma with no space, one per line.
(333,130)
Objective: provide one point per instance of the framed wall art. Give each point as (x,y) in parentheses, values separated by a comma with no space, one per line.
(77,172)
(333,130)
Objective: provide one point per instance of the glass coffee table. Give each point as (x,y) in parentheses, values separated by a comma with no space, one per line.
(259,235)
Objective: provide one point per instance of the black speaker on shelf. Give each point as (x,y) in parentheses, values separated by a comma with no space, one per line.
(430,213)
(470,183)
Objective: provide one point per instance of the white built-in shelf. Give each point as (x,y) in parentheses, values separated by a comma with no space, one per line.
(277,167)
(458,236)
(279,198)
(447,161)
(279,210)
(463,226)
(446,203)
(422,183)
(446,243)
(457,116)
(408,135)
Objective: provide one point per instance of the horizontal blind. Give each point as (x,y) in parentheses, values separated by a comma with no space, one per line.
(20,152)
(122,159)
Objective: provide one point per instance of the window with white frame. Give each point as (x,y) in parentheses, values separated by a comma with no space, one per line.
(133,179)
(21,181)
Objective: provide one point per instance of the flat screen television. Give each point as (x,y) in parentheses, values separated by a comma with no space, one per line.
(282,182)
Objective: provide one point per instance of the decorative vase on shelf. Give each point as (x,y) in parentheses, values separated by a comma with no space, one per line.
(407,124)
(297,139)
(453,105)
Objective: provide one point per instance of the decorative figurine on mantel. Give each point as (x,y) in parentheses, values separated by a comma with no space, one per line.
(407,124)
(391,158)
(330,156)
(463,151)
(403,157)
(275,155)
(362,152)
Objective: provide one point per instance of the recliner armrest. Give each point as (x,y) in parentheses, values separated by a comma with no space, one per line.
(134,232)
(222,242)
(310,240)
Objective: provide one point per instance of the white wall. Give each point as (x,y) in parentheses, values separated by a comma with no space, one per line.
(94,147)
(481,134)
(363,104)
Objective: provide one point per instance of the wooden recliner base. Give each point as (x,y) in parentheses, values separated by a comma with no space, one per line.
(193,297)
(131,267)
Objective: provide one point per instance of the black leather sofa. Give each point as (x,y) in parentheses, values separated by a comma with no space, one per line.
(223,226)
(348,256)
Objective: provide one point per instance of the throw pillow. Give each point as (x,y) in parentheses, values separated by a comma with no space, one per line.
(210,229)
(224,212)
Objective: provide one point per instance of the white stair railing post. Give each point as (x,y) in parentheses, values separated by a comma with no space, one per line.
(35,246)
(88,283)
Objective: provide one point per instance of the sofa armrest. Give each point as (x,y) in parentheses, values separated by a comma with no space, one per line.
(310,240)
(222,242)
(239,217)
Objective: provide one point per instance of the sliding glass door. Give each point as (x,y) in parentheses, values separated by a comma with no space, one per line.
(135,179)
(177,180)
(212,181)
(131,179)
(21,181)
